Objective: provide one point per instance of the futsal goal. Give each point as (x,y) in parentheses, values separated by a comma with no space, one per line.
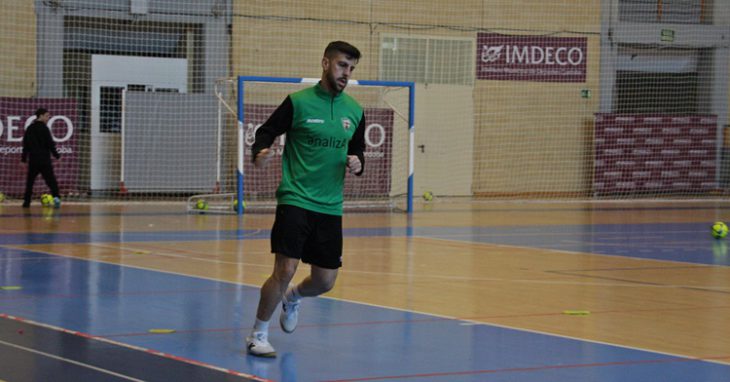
(246,102)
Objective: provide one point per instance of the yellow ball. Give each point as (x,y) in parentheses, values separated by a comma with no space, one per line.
(235,205)
(719,230)
(46,199)
(201,205)
(427,196)
(2,197)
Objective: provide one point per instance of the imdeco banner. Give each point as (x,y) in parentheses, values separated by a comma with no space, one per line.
(531,58)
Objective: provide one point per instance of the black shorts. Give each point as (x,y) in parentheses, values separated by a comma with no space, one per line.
(313,237)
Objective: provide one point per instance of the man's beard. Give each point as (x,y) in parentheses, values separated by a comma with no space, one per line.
(335,84)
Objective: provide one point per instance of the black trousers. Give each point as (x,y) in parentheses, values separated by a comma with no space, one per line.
(46,170)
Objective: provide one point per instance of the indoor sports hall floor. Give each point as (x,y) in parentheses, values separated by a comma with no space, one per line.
(457,292)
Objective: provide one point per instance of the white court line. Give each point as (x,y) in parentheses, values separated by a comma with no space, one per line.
(135,347)
(70,361)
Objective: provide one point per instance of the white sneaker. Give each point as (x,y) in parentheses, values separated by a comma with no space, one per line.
(289,315)
(258,344)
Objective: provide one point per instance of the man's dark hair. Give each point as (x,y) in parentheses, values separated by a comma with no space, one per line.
(342,47)
(40,111)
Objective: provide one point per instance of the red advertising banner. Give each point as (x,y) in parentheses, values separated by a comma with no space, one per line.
(18,113)
(375,180)
(531,58)
(649,153)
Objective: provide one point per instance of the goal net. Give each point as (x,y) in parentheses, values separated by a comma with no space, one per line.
(520,100)
(386,183)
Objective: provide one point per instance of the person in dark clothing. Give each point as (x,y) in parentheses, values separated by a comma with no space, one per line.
(38,146)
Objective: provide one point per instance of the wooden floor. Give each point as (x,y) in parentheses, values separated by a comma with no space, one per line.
(648,272)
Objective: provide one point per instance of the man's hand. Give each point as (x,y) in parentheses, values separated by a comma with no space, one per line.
(353,164)
(263,158)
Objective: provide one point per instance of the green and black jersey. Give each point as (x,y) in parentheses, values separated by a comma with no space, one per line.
(321,130)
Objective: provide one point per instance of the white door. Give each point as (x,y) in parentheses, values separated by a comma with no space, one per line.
(110,76)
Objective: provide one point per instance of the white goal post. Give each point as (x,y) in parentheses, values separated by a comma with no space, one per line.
(389,167)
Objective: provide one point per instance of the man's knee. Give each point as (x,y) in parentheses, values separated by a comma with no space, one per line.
(285,268)
(327,285)
(325,280)
(283,274)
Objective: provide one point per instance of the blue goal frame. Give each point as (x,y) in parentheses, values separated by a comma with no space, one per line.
(241,118)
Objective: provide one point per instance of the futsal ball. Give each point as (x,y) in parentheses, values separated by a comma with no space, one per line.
(719,230)
(428,196)
(2,197)
(235,204)
(46,199)
(201,205)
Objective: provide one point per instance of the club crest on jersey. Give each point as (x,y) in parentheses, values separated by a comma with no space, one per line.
(346,124)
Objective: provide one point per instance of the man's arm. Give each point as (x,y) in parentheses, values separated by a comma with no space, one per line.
(26,146)
(279,122)
(51,143)
(356,148)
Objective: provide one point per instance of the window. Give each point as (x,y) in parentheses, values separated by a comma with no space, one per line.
(427,60)
(665,11)
(664,93)
(110,109)
(666,81)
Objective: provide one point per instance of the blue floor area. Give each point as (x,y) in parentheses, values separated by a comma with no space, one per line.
(336,340)
(685,242)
